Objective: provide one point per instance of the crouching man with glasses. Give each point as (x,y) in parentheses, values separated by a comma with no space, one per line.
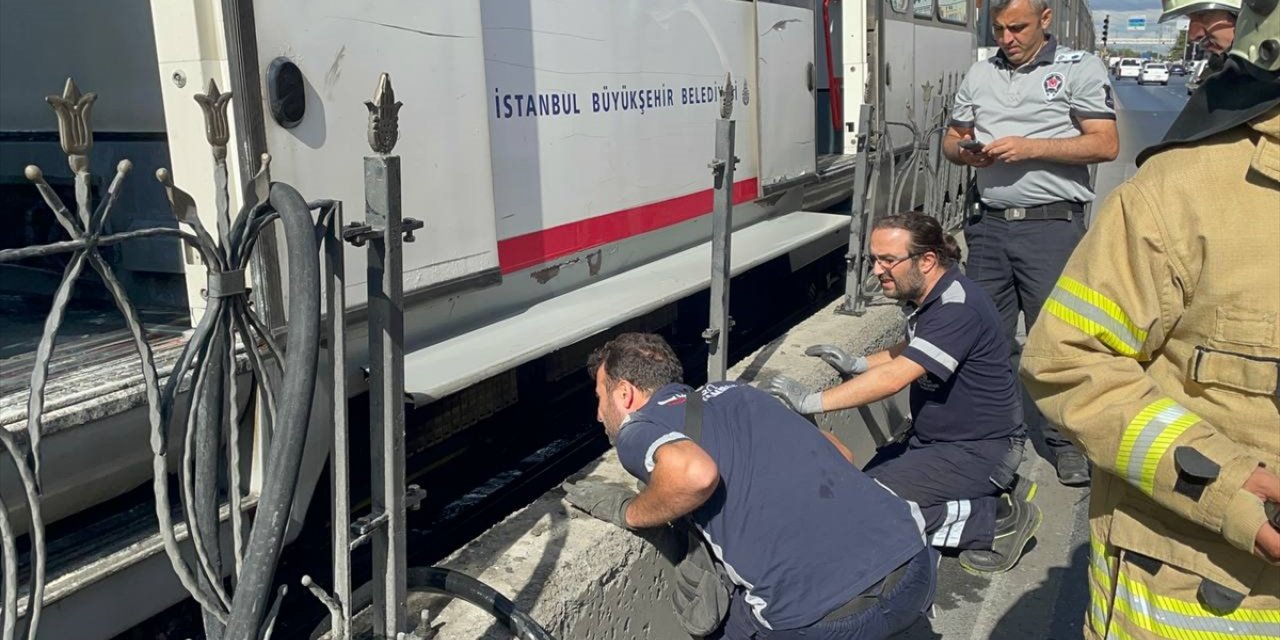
(959,463)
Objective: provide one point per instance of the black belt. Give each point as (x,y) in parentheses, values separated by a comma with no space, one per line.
(867,599)
(1053,211)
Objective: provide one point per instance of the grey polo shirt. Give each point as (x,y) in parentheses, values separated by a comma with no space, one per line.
(1045,98)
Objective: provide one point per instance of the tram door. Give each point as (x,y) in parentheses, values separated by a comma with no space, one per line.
(926,47)
(946,41)
(897,54)
(784,63)
(434,53)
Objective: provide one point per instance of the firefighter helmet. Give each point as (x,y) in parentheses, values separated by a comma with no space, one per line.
(1258,34)
(1181,8)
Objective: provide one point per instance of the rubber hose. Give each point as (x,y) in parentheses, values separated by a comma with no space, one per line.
(204,526)
(463,587)
(298,386)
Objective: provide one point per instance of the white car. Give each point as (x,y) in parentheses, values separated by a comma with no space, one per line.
(1129,68)
(1154,72)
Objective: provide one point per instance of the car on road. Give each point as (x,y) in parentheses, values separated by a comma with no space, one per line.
(1129,68)
(1177,69)
(1154,72)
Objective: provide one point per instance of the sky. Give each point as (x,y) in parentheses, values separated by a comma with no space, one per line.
(1122,10)
(1124,5)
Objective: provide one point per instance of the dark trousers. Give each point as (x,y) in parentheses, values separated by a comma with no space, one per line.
(1018,263)
(951,483)
(893,610)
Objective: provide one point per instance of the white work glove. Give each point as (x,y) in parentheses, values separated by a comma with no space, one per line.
(846,366)
(795,395)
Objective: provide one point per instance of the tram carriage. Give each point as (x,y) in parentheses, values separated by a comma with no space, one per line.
(556,149)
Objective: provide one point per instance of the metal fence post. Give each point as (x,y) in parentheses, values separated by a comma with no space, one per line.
(717,333)
(385,230)
(339,452)
(859,217)
(386,361)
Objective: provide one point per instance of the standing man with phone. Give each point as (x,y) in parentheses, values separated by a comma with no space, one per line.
(1043,113)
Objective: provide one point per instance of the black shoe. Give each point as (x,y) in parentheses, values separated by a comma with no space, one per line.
(1073,469)
(1024,488)
(1012,535)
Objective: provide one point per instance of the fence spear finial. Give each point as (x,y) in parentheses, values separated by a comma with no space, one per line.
(384,118)
(727,96)
(216,128)
(74,132)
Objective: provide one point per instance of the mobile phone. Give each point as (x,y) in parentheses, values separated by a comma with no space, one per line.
(972,146)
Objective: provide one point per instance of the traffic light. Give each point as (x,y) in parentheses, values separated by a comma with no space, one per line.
(1106,23)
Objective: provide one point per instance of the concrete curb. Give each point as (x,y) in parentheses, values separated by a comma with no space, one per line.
(583,578)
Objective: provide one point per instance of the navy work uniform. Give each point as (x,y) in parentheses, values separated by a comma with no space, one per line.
(966,418)
(801,532)
(1031,214)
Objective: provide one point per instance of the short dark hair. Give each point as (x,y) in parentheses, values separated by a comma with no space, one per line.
(997,6)
(643,359)
(926,235)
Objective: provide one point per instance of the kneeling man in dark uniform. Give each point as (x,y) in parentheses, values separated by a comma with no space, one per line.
(960,461)
(813,547)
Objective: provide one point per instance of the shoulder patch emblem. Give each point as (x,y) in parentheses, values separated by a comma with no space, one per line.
(675,400)
(1053,84)
(1069,56)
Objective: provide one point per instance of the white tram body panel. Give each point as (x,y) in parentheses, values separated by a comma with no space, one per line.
(547,145)
(638,86)
(535,130)
(435,55)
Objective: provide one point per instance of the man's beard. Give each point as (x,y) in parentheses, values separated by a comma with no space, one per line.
(613,426)
(909,287)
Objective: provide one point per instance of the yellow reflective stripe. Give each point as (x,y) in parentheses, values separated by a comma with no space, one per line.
(1099,566)
(1117,633)
(1061,312)
(1096,315)
(1103,580)
(1175,619)
(1098,554)
(1261,616)
(1099,586)
(1105,304)
(1097,619)
(1098,609)
(1148,437)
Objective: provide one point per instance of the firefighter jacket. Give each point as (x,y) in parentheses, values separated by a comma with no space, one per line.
(1158,353)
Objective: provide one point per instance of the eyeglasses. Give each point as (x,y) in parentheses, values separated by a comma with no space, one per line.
(889,262)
